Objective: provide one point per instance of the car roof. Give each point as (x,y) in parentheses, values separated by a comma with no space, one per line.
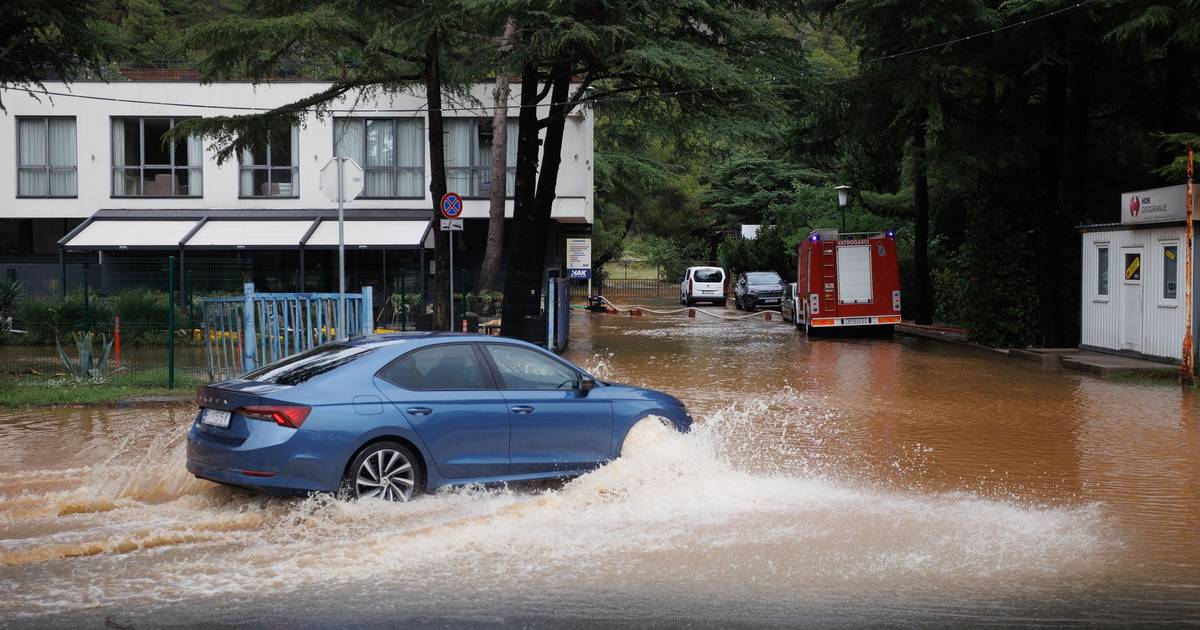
(376,338)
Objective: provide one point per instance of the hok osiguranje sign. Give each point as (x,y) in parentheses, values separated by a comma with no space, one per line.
(1155,205)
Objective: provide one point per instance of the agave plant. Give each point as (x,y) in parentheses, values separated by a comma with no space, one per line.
(88,365)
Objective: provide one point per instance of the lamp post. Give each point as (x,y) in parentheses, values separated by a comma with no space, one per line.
(843,193)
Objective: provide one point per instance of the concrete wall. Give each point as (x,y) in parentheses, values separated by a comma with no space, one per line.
(1104,318)
(220,182)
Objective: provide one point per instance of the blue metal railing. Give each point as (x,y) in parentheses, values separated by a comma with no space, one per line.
(242,333)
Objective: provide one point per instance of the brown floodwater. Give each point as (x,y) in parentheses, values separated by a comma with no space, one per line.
(828,482)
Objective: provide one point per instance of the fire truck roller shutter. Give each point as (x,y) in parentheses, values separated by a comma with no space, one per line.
(854,274)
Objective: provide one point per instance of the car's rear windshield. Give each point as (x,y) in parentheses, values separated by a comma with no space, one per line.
(708,275)
(764,277)
(298,368)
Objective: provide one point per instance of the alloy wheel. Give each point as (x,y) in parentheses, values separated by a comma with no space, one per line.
(385,474)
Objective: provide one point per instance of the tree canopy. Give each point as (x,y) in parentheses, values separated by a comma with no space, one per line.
(985,131)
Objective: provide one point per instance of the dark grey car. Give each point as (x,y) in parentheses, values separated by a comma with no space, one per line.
(757,288)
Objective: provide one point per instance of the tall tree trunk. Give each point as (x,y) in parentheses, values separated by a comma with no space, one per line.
(922,298)
(495,235)
(1174,78)
(533,198)
(1064,312)
(522,286)
(1051,163)
(437,184)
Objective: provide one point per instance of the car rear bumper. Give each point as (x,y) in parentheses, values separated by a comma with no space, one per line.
(273,459)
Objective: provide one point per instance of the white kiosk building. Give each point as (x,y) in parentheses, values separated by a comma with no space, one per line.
(1133,278)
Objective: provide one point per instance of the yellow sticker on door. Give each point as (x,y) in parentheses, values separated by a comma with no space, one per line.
(1133,266)
(1169,253)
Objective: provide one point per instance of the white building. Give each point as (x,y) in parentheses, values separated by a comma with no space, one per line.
(90,175)
(1133,278)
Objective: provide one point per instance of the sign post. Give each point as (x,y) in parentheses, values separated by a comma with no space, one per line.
(1187,369)
(337,187)
(452,207)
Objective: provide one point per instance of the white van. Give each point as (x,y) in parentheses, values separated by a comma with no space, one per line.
(702,284)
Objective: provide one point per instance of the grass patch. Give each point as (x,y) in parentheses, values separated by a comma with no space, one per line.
(40,391)
(631,271)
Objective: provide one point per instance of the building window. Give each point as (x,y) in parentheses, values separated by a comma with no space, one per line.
(1102,271)
(391,151)
(46,157)
(272,170)
(145,166)
(469,156)
(1170,273)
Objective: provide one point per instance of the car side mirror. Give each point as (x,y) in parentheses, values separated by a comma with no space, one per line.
(587,383)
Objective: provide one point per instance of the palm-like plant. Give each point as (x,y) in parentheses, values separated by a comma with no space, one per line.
(90,364)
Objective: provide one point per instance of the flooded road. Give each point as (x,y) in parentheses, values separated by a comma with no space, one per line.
(832,482)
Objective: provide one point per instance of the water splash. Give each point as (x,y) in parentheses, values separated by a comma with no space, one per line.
(706,513)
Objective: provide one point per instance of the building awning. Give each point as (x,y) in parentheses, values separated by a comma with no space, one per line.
(368,233)
(248,229)
(146,234)
(250,233)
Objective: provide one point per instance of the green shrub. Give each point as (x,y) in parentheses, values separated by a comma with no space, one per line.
(47,319)
(999,295)
(143,316)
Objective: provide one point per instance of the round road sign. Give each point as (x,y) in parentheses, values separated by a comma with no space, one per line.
(452,205)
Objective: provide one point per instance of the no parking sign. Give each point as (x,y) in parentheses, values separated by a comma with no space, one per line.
(452,205)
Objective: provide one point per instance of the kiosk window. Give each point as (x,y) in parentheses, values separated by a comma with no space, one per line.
(1170,266)
(1102,271)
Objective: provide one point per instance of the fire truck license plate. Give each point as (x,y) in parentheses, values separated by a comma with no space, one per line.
(856,321)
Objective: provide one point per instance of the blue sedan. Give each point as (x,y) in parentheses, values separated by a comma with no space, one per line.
(390,416)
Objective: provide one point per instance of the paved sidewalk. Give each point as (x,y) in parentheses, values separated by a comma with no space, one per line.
(1098,363)
(933,331)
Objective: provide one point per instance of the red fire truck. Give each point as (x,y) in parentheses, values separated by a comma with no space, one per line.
(847,280)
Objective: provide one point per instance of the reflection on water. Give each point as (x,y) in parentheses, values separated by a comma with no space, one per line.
(831,482)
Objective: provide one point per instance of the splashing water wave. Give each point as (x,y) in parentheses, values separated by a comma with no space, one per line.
(675,513)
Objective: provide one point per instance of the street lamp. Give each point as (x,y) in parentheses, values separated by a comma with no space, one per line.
(843,193)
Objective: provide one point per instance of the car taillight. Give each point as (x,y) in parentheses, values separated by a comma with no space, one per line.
(691,286)
(284,415)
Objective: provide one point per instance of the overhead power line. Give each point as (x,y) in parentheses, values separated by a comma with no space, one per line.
(668,94)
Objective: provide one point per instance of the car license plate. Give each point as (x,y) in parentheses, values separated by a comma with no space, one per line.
(216,418)
(772,301)
(707,292)
(855,321)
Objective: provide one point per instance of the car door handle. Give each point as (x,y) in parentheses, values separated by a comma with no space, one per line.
(419,411)
(522,409)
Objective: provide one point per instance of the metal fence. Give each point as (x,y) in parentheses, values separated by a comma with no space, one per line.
(153,314)
(241,333)
(638,280)
(124,303)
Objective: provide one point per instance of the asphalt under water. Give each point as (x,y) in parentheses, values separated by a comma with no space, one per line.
(828,482)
